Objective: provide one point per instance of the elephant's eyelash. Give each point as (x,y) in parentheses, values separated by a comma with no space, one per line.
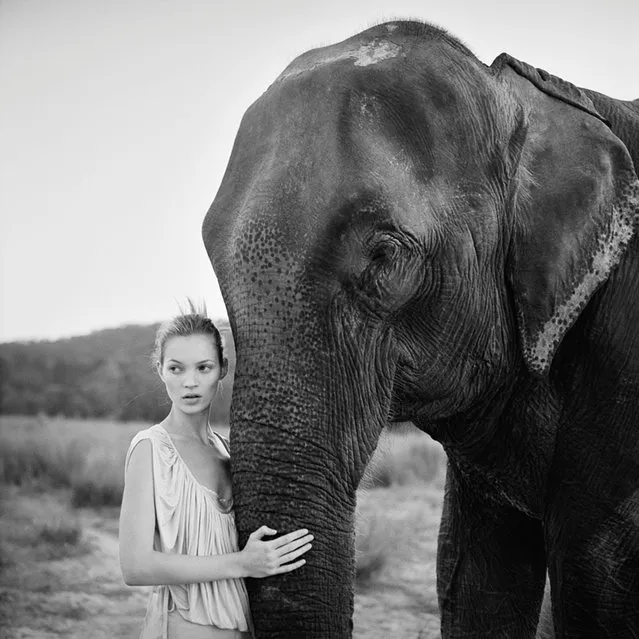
(383,251)
(391,242)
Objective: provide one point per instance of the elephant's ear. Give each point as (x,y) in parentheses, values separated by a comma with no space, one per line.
(575,206)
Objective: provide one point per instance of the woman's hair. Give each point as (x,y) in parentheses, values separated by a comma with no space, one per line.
(192,322)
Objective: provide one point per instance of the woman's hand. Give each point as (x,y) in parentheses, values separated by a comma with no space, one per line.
(264,558)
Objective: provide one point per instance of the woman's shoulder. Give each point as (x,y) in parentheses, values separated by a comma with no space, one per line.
(151,432)
(155,434)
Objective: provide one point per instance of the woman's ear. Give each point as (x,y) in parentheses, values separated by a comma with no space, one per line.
(574,210)
(225,368)
(158,367)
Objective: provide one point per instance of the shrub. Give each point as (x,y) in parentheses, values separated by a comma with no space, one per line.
(405,456)
(60,533)
(372,544)
(59,538)
(42,528)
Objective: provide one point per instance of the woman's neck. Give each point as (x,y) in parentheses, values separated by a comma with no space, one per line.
(186,425)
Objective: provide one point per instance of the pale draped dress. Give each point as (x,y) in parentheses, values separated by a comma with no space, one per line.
(191,520)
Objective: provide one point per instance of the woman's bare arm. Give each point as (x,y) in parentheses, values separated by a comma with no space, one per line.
(143,566)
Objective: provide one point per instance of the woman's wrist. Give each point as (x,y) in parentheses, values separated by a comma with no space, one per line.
(237,565)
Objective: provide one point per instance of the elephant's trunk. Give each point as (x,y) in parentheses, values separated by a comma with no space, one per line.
(296,459)
(285,489)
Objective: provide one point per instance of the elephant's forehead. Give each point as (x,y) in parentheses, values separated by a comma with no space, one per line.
(362,54)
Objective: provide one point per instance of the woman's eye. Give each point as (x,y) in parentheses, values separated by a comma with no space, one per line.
(174,369)
(206,368)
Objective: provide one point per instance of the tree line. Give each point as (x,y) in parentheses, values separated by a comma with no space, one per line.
(108,373)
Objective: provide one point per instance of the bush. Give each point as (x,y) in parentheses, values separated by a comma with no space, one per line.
(405,456)
(372,543)
(42,527)
(61,534)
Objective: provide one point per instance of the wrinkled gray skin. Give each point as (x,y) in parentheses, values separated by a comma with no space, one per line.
(404,233)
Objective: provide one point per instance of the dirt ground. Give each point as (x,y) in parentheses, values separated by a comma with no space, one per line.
(57,589)
(401,599)
(54,583)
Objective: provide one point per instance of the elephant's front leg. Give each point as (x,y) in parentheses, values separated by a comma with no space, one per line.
(593,559)
(491,566)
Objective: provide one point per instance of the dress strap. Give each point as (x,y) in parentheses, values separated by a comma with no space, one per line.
(224,440)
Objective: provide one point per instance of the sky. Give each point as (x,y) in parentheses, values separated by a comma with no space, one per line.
(117,119)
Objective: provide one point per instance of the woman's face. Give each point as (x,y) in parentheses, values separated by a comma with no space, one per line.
(190,371)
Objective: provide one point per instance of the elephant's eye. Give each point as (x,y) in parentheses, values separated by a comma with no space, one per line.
(385,249)
(386,255)
(394,270)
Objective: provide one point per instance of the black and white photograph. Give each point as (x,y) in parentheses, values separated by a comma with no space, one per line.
(319,320)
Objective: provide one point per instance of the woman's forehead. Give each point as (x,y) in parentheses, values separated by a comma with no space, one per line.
(191,347)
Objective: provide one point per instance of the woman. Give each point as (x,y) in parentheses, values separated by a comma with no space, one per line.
(177,529)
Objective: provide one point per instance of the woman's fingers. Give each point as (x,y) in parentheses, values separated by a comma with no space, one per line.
(289,547)
(290,567)
(287,539)
(294,554)
(262,531)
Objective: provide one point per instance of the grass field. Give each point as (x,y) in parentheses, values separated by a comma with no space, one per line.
(85,456)
(59,574)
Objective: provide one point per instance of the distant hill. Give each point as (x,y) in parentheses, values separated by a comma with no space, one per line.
(107,373)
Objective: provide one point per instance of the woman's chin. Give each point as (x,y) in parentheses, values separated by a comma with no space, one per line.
(194,409)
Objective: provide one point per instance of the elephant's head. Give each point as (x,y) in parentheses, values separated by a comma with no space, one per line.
(400,231)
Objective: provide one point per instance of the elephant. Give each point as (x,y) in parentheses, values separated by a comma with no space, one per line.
(404,233)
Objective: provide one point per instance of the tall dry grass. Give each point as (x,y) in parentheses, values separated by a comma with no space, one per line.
(83,455)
